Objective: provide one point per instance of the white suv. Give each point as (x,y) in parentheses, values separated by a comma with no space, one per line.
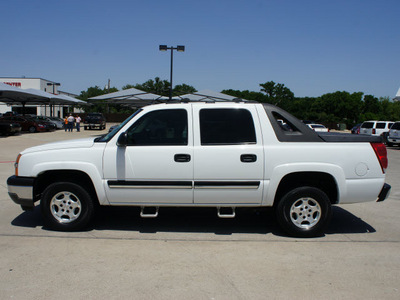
(375,127)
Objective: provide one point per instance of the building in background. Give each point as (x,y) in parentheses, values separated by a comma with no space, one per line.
(397,98)
(39,84)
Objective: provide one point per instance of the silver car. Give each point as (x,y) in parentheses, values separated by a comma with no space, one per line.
(394,135)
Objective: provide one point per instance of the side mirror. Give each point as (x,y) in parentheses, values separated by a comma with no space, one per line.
(122,140)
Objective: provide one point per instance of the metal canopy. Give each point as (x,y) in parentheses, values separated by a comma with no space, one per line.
(137,98)
(208,96)
(11,95)
(65,99)
(133,97)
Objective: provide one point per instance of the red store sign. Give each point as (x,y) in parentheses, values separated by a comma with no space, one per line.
(17,84)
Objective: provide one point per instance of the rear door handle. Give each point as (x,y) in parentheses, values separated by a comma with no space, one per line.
(248,158)
(182,157)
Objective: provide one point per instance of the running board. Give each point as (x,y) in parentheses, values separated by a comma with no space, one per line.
(226,213)
(153,213)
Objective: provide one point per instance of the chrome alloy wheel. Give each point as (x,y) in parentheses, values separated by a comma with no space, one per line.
(305,213)
(65,207)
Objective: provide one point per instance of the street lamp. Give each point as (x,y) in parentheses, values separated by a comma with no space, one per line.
(51,106)
(179,49)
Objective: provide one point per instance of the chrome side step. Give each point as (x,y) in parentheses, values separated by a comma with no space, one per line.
(151,212)
(226,212)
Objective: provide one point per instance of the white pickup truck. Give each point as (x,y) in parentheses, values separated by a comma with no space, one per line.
(222,155)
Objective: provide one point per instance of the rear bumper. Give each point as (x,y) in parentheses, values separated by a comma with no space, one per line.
(385,192)
(20,190)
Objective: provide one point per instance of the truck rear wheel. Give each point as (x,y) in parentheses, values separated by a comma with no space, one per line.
(66,206)
(304,212)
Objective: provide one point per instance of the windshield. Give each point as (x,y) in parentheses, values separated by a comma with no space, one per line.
(109,136)
(396,126)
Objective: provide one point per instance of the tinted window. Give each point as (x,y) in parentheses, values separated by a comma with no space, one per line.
(380,125)
(160,128)
(226,126)
(367,125)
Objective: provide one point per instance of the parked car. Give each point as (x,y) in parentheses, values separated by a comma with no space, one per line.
(49,125)
(27,124)
(95,120)
(393,136)
(376,128)
(10,114)
(58,123)
(356,129)
(318,127)
(9,128)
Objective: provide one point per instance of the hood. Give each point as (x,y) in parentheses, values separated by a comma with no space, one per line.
(62,145)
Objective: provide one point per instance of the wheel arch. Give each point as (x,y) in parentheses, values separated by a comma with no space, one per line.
(321,180)
(75,176)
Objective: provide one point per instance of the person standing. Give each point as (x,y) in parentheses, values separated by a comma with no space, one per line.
(65,123)
(71,120)
(78,123)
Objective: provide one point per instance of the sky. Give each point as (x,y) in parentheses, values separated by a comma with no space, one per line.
(313,47)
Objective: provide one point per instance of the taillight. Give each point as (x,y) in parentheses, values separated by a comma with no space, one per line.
(16,164)
(381,154)
(373,131)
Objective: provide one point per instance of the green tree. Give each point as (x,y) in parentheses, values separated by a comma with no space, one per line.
(161,87)
(370,105)
(248,95)
(93,92)
(339,107)
(183,89)
(156,86)
(278,94)
(128,86)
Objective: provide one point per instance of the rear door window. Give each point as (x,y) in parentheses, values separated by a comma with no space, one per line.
(367,125)
(381,125)
(226,126)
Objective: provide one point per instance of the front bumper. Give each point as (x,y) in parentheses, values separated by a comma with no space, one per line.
(385,192)
(20,190)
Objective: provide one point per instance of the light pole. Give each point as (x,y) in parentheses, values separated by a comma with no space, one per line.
(179,49)
(54,92)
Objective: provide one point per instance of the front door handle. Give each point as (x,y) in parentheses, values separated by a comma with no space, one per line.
(182,158)
(248,158)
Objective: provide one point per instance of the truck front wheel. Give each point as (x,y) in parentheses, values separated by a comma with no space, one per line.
(66,206)
(304,212)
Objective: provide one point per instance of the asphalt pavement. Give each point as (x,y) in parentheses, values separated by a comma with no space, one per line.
(191,254)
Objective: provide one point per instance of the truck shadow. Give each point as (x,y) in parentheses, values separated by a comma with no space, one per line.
(201,220)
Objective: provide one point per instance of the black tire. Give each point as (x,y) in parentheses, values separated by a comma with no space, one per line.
(66,206)
(32,129)
(85,127)
(304,212)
